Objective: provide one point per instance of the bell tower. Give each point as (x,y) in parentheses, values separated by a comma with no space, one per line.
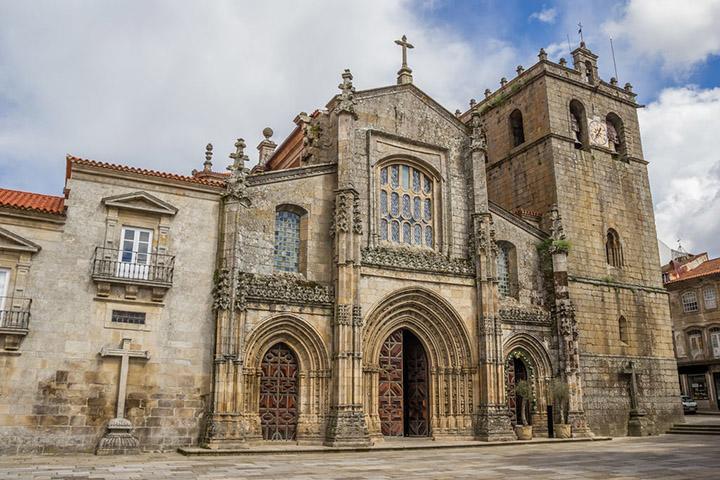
(562,142)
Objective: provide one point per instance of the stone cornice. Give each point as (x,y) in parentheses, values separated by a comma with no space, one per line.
(275,176)
(613,284)
(417,260)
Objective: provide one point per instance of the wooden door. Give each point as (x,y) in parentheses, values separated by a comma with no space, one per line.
(391,385)
(416,387)
(279,394)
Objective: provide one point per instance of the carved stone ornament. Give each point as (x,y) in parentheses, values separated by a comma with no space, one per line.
(344,314)
(236,184)
(524,314)
(341,220)
(346,100)
(478,136)
(416,259)
(565,316)
(221,290)
(484,238)
(557,232)
(282,288)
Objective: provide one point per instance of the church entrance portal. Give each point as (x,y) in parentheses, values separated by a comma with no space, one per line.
(278,393)
(403,405)
(517,370)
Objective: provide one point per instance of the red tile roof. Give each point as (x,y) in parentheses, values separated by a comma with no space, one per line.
(140,171)
(32,201)
(706,268)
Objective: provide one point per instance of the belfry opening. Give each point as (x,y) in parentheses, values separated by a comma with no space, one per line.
(403,404)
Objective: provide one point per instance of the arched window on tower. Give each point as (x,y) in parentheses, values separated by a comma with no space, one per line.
(623,330)
(615,134)
(517,129)
(613,249)
(578,123)
(289,251)
(589,72)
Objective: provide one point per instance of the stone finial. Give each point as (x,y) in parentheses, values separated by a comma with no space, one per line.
(405,72)
(520,69)
(563,62)
(266,147)
(628,87)
(458,112)
(236,184)
(207,164)
(542,56)
(503,82)
(478,138)
(347,95)
(613,81)
(473,102)
(488,92)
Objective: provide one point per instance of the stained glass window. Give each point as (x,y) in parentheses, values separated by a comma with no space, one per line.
(287,241)
(503,271)
(409,215)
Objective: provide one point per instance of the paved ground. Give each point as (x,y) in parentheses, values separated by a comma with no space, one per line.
(664,457)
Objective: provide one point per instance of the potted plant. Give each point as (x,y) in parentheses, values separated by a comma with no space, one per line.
(561,394)
(523,389)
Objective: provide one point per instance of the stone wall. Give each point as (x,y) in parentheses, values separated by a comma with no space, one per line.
(58,393)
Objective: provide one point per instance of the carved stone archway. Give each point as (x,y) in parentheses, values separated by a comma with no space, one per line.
(443,336)
(313,374)
(529,350)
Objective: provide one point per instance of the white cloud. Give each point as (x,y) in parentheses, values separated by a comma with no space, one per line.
(680,141)
(546,15)
(150,83)
(679,34)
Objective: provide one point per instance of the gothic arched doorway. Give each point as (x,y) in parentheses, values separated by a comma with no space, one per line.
(517,368)
(403,389)
(279,393)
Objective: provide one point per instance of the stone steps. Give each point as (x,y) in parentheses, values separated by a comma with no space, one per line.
(694,429)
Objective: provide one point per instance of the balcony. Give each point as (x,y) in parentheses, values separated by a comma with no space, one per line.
(132,270)
(14,321)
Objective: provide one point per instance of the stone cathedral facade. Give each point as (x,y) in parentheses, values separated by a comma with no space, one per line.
(391,269)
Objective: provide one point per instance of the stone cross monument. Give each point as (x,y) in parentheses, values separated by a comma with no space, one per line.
(636,424)
(119,439)
(405,73)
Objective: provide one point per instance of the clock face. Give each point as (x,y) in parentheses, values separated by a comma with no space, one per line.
(598,132)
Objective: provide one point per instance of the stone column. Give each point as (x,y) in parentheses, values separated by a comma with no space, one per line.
(346,425)
(567,328)
(492,419)
(227,423)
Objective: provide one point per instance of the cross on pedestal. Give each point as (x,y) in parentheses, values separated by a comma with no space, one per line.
(636,426)
(405,73)
(118,439)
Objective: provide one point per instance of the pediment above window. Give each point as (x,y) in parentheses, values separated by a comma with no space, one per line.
(140,201)
(13,242)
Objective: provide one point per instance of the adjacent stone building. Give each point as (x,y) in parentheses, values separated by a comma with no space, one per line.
(390,269)
(694,284)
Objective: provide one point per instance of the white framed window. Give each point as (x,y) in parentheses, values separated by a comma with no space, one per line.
(715,341)
(696,343)
(407,206)
(710,297)
(689,302)
(135,252)
(4,281)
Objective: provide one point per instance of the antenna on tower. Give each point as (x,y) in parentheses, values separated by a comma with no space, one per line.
(569,47)
(582,40)
(612,49)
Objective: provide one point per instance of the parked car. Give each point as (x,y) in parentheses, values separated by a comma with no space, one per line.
(689,405)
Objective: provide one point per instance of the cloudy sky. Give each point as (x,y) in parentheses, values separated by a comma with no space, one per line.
(149,83)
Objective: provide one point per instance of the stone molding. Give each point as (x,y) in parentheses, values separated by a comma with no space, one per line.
(140,201)
(525,315)
(415,259)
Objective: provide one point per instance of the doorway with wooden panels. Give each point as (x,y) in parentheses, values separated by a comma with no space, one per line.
(404,388)
(279,393)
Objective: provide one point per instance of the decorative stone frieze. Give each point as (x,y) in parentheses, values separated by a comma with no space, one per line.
(416,259)
(524,314)
(221,290)
(283,288)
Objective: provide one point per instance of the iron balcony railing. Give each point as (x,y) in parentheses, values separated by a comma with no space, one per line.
(14,313)
(126,266)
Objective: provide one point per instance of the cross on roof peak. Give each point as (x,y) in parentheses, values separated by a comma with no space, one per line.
(405,73)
